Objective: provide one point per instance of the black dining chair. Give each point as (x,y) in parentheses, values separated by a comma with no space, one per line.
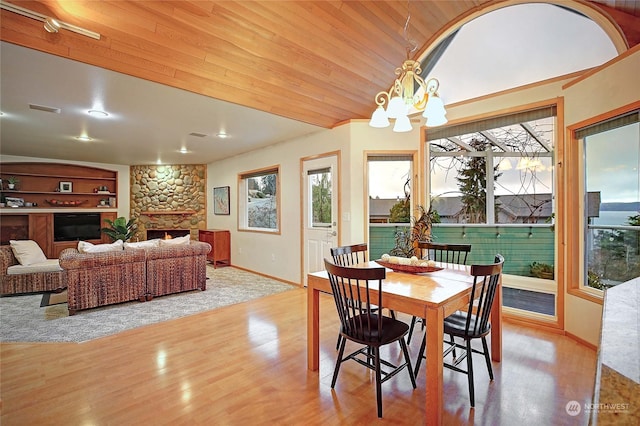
(362,324)
(472,323)
(440,252)
(348,256)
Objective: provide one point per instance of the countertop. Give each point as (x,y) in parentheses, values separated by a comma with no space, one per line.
(617,388)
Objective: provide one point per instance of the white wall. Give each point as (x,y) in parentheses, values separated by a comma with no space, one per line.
(614,86)
(256,251)
(123,176)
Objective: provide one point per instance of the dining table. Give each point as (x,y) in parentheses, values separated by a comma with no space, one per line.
(432,296)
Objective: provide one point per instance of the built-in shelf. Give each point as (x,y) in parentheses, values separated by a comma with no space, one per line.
(41,182)
(8,192)
(63,176)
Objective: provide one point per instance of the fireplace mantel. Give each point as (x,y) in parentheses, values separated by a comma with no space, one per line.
(160,212)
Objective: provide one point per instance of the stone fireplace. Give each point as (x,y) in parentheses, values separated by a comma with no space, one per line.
(166,234)
(168,200)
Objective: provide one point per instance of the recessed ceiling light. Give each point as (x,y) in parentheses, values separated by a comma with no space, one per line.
(98,114)
(222,135)
(183,150)
(51,25)
(84,138)
(45,108)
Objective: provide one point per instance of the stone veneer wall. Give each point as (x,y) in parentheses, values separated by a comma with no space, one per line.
(165,190)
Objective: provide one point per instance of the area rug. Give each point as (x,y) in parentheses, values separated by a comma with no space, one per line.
(22,319)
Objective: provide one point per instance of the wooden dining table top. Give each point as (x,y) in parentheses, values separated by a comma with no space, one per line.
(430,289)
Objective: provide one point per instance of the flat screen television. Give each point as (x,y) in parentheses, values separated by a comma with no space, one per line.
(76,226)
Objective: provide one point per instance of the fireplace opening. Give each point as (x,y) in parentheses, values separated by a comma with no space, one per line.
(166,234)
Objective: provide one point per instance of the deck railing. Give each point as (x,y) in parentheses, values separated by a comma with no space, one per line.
(521,244)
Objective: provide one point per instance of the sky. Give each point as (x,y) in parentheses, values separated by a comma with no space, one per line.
(511,47)
(611,171)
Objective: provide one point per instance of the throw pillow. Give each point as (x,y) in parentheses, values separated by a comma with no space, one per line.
(176,241)
(27,252)
(142,244)
(87,247)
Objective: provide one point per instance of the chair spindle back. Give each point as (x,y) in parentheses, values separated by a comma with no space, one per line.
(353,299)
(485,283)
(448,253)
(349,255)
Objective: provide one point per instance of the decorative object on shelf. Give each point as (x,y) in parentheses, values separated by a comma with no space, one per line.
(66,203)
(221,200)
(14,202)
(402,97)
(66,187)
(12,181)
(120,229)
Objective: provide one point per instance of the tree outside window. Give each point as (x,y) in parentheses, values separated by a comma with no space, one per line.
(259,200)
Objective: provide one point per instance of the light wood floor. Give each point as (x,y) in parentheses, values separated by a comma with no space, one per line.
(246,364)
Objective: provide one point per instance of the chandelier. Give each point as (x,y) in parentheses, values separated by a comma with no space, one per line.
(403,96)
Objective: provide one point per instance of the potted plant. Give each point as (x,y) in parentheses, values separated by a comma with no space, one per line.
(406,240)
(542,270)
(120,229)
(12,181)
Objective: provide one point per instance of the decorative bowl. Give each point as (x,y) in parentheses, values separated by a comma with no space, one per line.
(411,269)
(66,203)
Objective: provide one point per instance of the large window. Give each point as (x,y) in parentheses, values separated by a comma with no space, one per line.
(389,188)
(496,171)
(259,200)
(612,201)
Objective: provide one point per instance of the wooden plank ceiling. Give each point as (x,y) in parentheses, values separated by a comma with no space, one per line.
(319,62)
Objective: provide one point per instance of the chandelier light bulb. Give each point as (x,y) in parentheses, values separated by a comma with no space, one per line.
(379,118)
(403,124)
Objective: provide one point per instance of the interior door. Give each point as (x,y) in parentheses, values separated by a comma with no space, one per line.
(320,211)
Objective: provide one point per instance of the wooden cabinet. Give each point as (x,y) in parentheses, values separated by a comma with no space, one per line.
(56,185)
(220,241)
(39,228)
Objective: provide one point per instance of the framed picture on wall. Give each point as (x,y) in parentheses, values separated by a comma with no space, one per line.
(66,187)
(221,200)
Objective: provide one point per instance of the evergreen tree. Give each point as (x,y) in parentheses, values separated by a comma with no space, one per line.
(472,182)
(321,199)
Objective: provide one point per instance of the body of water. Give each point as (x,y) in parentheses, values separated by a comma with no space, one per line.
(613,217)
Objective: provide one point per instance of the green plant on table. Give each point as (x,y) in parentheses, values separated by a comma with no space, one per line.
(120,229)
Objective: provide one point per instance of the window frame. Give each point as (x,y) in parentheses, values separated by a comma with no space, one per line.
(243,193)
(575,205)
(494,120)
